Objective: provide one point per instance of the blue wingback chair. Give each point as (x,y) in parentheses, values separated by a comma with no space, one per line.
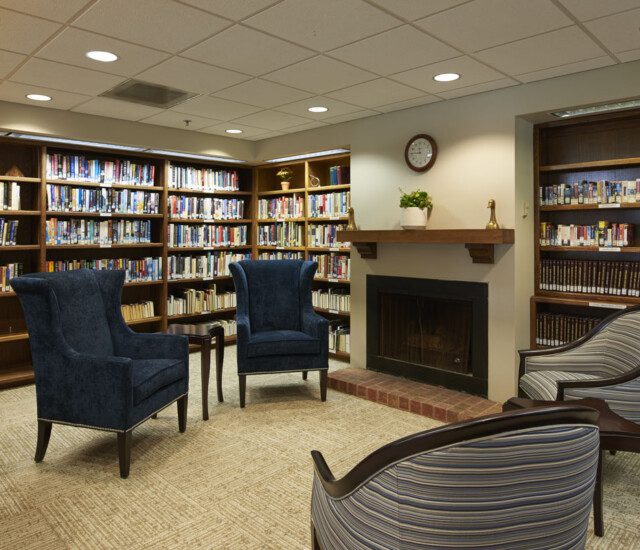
(91,369)
(278,331)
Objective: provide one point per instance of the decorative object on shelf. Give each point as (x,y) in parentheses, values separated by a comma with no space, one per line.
(314,181)
(285,174)
(14,172)
(420,153)
(493,223)
(351,220)
(413,206)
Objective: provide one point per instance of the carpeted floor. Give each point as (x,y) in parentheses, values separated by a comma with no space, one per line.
(241,480)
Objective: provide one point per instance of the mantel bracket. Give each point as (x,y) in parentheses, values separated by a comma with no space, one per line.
(480,253)
(368,251)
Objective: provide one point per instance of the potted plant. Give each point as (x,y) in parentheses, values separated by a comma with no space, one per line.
(413,206)
(285,174)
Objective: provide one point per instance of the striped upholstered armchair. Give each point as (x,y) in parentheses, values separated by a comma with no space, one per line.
(512,481)
(604,364)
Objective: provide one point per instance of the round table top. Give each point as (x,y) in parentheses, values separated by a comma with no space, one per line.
(202,330)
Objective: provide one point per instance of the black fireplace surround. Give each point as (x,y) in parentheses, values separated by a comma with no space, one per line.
(429,330)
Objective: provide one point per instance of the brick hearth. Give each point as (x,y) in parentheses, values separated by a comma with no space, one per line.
(438,403)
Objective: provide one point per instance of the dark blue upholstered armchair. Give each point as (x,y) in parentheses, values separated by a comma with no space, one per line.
(91,369)
(278,331)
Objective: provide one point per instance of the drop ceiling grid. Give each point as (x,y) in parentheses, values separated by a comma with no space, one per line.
(360,57)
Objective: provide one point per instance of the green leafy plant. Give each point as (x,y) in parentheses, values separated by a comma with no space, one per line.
(418,199)
(285,173)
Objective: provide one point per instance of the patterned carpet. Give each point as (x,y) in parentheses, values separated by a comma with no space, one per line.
(241,480)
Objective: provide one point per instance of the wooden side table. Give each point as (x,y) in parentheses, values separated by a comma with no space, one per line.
(202,335)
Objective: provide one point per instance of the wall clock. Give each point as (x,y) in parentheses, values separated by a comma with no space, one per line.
(420,152)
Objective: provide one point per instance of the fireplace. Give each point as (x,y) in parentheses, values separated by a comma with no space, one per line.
(429,330)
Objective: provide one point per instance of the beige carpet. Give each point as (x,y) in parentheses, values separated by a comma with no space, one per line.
(239,481)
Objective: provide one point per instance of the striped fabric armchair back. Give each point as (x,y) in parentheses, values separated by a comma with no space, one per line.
(515,488)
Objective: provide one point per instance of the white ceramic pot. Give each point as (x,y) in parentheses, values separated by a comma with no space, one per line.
(413,218)
(285,185)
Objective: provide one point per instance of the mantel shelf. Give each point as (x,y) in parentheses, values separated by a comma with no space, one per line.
(479,242)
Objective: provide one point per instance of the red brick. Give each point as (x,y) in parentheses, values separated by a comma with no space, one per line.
(439,413)
(393,400)
(352,388)
(361,391)
(372,394)
(383,397)
(341,386)
(452,415)
(415,406)
(426,410)
(403,403)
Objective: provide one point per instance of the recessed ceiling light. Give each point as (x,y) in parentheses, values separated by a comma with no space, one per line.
(318,109)
(233,131)
(105,57)
(446,77)
(38,97)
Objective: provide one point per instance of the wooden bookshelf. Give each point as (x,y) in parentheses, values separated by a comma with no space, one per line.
(593,148)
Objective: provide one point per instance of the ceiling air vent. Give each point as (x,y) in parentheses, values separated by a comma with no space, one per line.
(153,95)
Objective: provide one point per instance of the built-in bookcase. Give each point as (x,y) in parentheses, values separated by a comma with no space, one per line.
(587,215)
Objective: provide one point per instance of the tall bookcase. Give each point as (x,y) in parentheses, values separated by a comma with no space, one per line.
(587,174)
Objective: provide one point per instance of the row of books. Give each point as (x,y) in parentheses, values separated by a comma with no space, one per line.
(614,278)
(590,192)
(8,272)
(191,300)
(206,266)
(324,205)
(332,266)
(180,234)
(205,208)
(280,255)
(602,234)
(81,168)
(9,195)
(64,198)
(334,300)
(339,337)
(137,270)
(290,206)
(8,232)
(229,326)
(325,235)
(135,312)
(103,232)
(554,329)
(339,175)
(281,234)
(204,179)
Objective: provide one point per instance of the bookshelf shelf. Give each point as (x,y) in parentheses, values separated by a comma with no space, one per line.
(332,311)
(298,190)
(173,249)
(212,222)
(145,320)
(281,220)
(16,375)
(323,249)
(101,246)
(65,214)
(596,249)
(578,298)
(178,191)
(325,188)
(8,294)
(342,355)
(332,280)
(19,212)
(200,279)
(591,164)
(201,314)
(17,247)
(13,336)
(76,183)
(20,179)
(604,207)
(142,283)
(292,248)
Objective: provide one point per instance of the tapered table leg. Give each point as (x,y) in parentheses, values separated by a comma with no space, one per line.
(598,520)
(205,369)
(219,362)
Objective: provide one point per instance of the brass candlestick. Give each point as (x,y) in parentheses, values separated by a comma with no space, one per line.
(351,220)
(493,223)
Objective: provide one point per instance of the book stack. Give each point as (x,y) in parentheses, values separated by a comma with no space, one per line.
(8,272)
(81,168)
(339,337)
(74,231)
(281,234)
(553,329)
(280,255)
(184,235)
(339,175)
(602,234)
(590,192)
(193,301)
(137,270)
(63,198)
(203,179)
(8,232)
(325,235)
(205,208)
(332,266)
(279,208)
(229,326)
(338,300)
(135,312)
(207,266)
(9,195)
(328,205)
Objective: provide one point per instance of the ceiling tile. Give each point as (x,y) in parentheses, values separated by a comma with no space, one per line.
(470,70)
(214,107)
(247,51)
(320,75)
(71,45)
(415,9)
(65,77)
(618,32)
(58,10)
(271,120)
(396,50)
(233,9)
(220,130)
(12,91)
(350,116)
(176,120)
(479,88)
(590,9)
(160,24)
(335,107)
(9,61)
(266,135)
(262,93)
(192,76)
(567,69)
(23,33)
(376,92)
(324,25)
(417,102)
(307,126)
(114,108)
(482,24)
(542,52)
(630,55)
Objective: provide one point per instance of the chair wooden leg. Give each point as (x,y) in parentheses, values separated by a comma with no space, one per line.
(124,453)
(154,416)
(598,520)
(219,364)
(242,379)
(315,545)
(304,374)
(612,453)
(324,374)
(44,433)
(182,413)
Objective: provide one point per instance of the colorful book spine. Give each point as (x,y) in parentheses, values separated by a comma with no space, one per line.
(337,301)
(280,255)
(291,206)
(185,235)
(285,234)
(590,192)
(8,272)
(8,232)
(325,235)
(328,205)
(9,195)
(553,329)
(332,266)
(147,269)
(204,179)
(603,234)
(84,169)
(64,198)
(206,266)
(93,232)
(199,301)
(205,208)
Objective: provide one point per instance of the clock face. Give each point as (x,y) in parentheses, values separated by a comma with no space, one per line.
(420,153)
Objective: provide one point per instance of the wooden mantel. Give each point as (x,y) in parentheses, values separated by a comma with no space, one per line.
(479,242)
